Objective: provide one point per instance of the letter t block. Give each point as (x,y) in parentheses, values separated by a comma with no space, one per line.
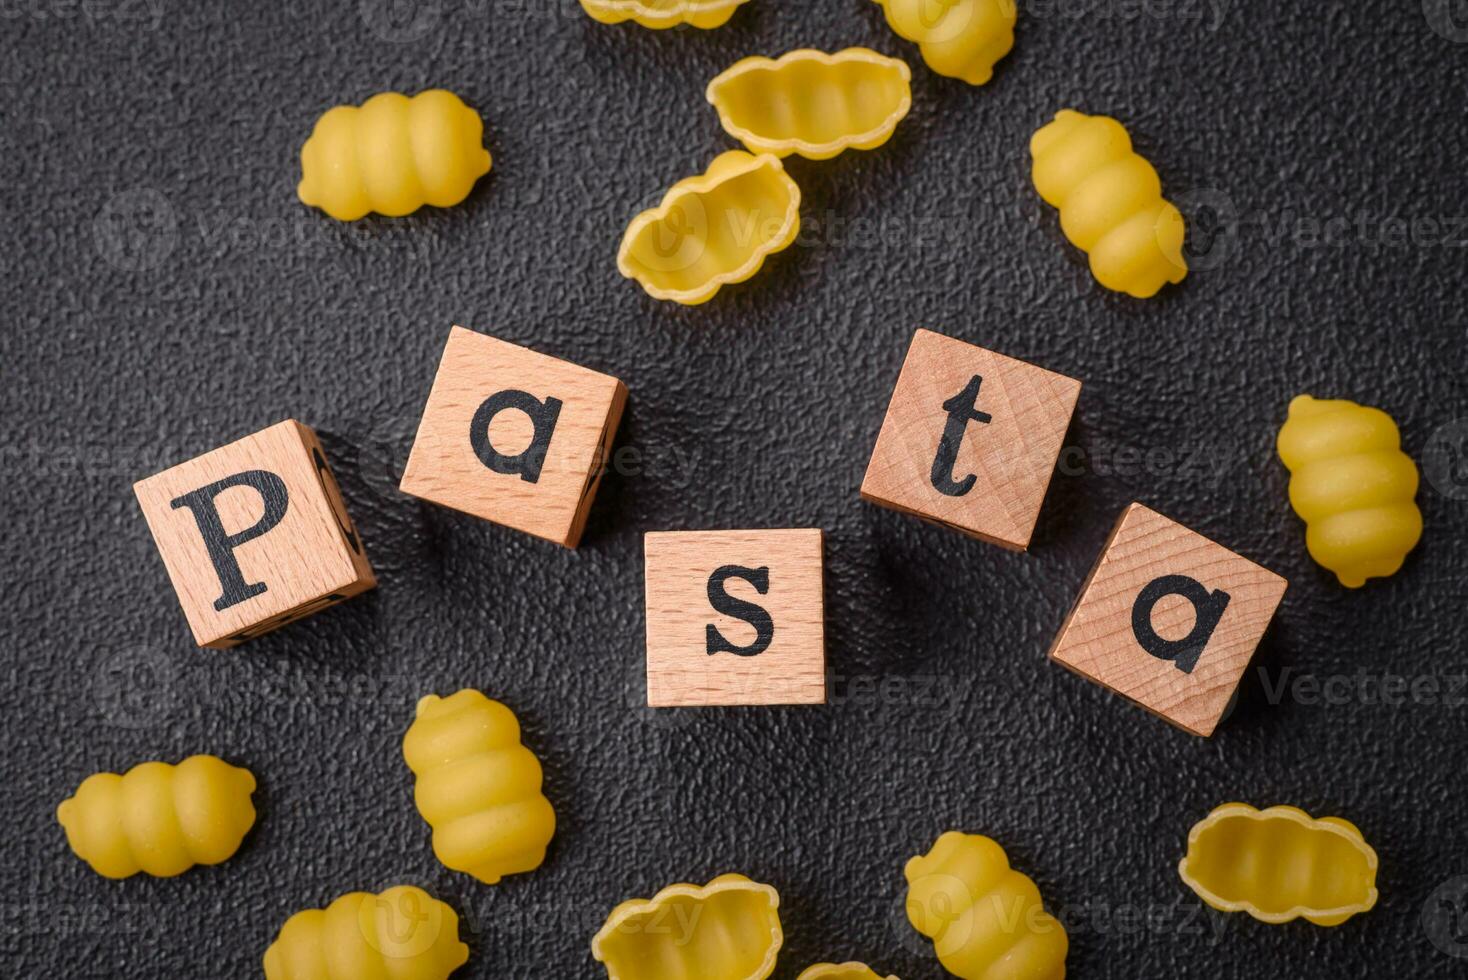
(514,437)
(970,440)
(254,535)
(1169,619)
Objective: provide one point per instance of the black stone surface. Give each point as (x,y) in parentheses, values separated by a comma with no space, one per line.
(164,293)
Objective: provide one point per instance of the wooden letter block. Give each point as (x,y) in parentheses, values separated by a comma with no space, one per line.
(970,439)
(1169,619)
(514,437)
(735,617)
(254,535)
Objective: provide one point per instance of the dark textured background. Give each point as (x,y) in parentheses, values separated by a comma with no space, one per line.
(164,293)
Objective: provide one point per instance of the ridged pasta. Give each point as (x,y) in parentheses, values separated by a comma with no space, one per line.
(812,103)
(1110,202)
(1280,864)
(392,155)
(160,819)
(958,38)
(840,971)
(663,14)
(728,929)
(712,230)
(987,921)
(478,787)
(402,934)
(1352,485)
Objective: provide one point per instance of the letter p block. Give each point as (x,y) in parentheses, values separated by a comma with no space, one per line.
(1169,619)
(514,437)
(735,617)
(254,535)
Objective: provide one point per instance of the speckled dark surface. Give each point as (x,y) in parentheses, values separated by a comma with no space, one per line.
(132,342)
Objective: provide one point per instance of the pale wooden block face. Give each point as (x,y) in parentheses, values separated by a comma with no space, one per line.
(514,437)
(269,546)
(759,593)
(1198,607)
(971,439)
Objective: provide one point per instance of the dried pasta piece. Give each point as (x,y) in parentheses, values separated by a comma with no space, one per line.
(958,38)
(1280,864)
(1110,202)
(662,14)
(728,929)
(840,971)
(478,787)
(812,103)
(403,933)
(392,155)
(712,230)
(1352,485)
(987,921)
(160,819)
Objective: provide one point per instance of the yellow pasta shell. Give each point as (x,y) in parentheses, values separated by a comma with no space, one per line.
(987,921)
(728,929)
(712,230)
(663,14)
(1352,485)
(392,155)
(160,819)
(812,103)
(1280,864)
(840,971)
(1110,202)
(958,38)
(478,787)
(403,934)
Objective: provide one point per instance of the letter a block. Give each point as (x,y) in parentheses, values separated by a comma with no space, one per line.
(514,437)
(254,535)
(1169,619)
(735,617)
(970,439)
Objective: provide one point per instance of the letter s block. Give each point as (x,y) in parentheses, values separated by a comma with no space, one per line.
(514,437)
(255,535)
(735,617)
(1169,619)
(970,440)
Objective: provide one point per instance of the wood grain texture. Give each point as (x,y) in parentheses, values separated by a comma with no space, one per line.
(680,671)
(1097,639)
(1012,456)
(444,468)
(312,559)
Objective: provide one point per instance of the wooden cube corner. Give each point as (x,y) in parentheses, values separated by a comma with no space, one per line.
(735,618)
(514,437)
(1169,619)
(254,535)
(970,440)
